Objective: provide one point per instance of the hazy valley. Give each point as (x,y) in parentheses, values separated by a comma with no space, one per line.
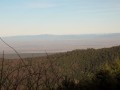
(59,43)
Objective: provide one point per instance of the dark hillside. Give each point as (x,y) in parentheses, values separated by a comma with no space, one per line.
(88,60)
(86,69)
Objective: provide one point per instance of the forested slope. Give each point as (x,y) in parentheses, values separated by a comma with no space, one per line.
(87,60)
(87,69)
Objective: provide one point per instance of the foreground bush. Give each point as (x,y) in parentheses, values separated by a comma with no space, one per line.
(107,78)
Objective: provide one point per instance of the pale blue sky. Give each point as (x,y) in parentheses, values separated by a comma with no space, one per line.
(31,17)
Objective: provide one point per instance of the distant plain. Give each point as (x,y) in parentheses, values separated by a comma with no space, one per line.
(38,45)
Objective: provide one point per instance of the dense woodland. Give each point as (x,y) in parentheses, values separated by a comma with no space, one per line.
(87,69)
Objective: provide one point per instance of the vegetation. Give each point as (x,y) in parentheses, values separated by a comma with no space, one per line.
(107,78)
(90,69)
(77,63)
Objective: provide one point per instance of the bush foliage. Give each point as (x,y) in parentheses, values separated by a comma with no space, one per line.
(90,69)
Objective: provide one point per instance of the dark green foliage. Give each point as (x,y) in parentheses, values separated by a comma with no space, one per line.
(79,63)
(103,81)
(90,69)
(68,84)
(107,78)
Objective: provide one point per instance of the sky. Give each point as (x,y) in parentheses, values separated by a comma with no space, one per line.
(34,17)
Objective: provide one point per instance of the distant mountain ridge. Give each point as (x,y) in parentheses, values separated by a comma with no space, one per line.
(59,43)
(65,36)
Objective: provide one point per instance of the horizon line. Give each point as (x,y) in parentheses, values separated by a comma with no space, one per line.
(59,34)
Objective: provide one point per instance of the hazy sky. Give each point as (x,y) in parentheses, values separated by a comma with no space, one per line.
(28,17)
